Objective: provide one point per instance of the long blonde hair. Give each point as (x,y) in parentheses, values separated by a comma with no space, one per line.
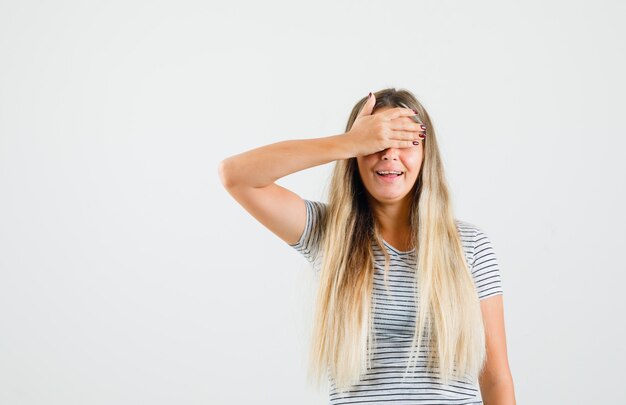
(448,310)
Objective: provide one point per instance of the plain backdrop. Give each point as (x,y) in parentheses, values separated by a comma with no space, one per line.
(129,275)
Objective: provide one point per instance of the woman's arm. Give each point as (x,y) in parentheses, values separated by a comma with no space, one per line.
(250,177)
(262,166)
(496,382)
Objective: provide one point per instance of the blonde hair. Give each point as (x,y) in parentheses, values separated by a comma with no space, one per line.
(448,310)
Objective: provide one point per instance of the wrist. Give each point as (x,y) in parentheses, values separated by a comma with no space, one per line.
(343,145)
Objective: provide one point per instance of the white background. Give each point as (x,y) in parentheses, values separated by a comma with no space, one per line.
(128,274)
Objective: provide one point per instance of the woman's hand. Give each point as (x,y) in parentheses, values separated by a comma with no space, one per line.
(387,129)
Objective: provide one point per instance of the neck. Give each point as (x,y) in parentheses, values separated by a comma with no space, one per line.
(393,220)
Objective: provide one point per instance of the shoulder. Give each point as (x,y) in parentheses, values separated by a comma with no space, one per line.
(316,210)
(311,237)
(481,258)
(319,205)
(468,232)
(473,239)
(465,226)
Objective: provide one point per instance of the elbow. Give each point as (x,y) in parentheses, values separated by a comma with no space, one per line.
(501,392)
(224,173)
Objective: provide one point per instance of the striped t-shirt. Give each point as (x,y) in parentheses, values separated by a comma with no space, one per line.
(394,321)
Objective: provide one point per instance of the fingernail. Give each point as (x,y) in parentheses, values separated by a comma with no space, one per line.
(414,110)
(369,95)
(423,126)
(416,143)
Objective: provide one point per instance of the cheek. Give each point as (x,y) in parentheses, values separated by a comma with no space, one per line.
(366,163)
(413,160)
(362,168)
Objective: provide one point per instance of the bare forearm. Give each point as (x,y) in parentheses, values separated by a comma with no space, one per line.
(264,165)
(499,393)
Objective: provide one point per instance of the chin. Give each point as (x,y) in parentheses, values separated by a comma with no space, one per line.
(388,198)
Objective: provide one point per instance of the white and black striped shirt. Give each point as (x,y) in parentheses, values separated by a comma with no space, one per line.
(394,321)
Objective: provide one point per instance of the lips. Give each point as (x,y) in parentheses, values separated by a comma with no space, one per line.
(389,178)
(389,172)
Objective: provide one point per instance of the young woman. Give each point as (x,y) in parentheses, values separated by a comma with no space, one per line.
(409,305)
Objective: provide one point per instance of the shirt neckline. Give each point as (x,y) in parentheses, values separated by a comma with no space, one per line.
(396,250)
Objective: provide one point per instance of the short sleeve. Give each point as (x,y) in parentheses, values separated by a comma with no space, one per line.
(485,268)
(310,240)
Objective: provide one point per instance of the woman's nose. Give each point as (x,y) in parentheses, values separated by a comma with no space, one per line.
(390,153)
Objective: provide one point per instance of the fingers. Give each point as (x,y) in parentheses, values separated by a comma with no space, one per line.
(407,137)
(393,113)
(406,125)
(408,131)
(400,136)
(405,144)
(368,106)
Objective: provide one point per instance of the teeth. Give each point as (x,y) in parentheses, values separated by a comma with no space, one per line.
(389,172)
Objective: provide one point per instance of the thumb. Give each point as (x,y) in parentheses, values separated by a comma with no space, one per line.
(368,106)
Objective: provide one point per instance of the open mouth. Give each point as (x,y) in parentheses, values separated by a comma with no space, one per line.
(389,173)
